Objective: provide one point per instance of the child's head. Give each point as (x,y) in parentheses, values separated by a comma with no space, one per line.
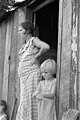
(48,66)
(3,105)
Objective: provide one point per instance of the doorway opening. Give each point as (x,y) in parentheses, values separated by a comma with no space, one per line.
(47,21)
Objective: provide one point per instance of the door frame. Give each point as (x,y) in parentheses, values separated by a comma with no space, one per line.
(39,7)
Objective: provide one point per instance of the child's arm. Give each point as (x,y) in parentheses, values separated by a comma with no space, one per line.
(48,96)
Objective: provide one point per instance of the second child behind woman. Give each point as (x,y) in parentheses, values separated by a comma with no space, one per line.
(3,108)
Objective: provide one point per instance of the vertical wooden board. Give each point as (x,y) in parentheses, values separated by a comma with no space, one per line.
(79,63)
(7,60)
(22,14)
(74,56)
(60,27)
(2,52)
(16,84)
(28,14)
(12,79)
(65,58)
(1,67)
(3,39)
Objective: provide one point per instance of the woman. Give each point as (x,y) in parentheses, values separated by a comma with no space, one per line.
(29,71)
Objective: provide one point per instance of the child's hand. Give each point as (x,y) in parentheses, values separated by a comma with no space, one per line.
(39,97)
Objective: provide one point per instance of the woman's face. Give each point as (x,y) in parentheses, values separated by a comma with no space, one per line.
(22,32)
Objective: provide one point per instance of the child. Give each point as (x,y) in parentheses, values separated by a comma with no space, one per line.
(45,92)
(3,108)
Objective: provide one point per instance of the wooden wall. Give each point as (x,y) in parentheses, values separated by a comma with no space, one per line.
(9,47)
(64,43)
(79,59)
(68,72)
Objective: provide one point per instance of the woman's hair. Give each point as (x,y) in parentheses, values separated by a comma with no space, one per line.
(28,26)
(3,103)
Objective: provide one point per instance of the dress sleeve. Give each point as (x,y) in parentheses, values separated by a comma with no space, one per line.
(53,87)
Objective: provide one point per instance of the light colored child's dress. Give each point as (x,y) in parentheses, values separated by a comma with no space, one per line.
(3,117)
(46,107)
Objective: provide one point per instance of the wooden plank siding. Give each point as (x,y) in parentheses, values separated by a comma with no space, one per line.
(74,80)
(12,74)
(7,59)
(60,29)
(68,57)
(2,53)
(79,59)
(64,55)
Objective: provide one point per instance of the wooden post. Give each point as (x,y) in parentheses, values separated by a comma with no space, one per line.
(7,60)
(60,29)
(2,52)
(74,57)
(68,60)
(64,56)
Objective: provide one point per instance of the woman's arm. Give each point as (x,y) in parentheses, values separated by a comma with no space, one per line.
(41,45)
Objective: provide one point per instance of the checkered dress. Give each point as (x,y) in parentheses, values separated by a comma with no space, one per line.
(29,75)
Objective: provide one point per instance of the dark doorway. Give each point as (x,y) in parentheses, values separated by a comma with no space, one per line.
(47,21)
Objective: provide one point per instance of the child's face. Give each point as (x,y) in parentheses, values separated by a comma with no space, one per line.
(47,75)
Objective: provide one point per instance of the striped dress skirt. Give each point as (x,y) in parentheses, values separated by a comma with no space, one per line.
(29,76)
